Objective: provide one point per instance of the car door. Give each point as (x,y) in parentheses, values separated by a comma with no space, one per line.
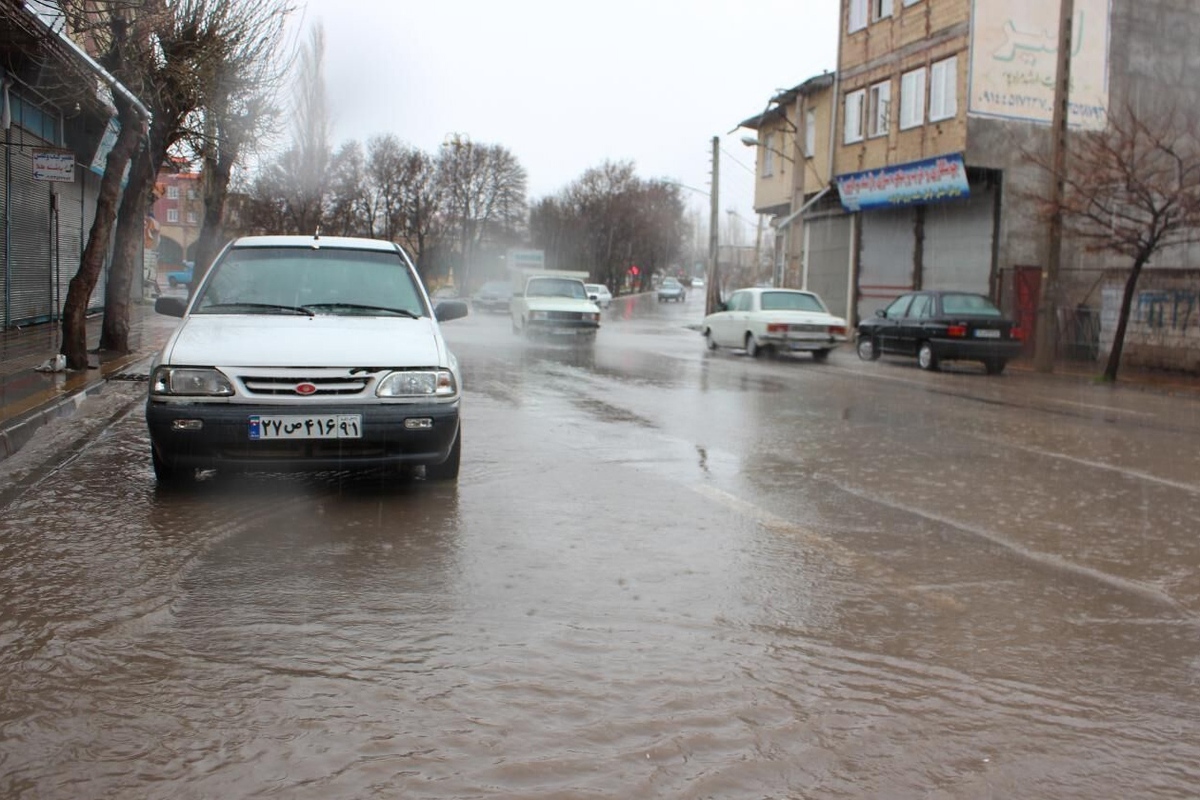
(730,331)
(887,332)
(913,327)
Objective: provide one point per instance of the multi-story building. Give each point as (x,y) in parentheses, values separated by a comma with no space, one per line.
(179,213)
(942,109)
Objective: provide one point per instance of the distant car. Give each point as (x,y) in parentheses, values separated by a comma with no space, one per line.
(671,289)
(599,294)
(298,354)
(493,296)
(697,283)
(941,326)
(181,277)
(774,321)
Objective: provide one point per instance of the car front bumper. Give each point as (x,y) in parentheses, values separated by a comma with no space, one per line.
(558,327)
(217,436)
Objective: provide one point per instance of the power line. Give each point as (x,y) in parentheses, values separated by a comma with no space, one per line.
(734,159)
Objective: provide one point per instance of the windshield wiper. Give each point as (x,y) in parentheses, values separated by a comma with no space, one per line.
(404,312)
(264,306)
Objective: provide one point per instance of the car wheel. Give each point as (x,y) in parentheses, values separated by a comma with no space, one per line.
(820,356)
(752,348)
(868,350)
(448,469)
(994,366)
(168,475)
(926,358)
(709,340)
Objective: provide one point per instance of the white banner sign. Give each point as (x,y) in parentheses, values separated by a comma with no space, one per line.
(1014,51)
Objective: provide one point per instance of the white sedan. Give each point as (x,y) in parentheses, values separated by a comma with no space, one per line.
(775,321)
(599,294)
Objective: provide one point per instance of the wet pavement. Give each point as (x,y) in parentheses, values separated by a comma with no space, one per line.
(663,573)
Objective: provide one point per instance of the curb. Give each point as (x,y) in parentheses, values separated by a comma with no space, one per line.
(18,432)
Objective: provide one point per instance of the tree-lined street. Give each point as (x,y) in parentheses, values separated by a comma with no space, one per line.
(663,572)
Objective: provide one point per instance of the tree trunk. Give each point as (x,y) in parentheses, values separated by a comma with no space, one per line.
(212,233)
(1114,355)
(74,322)
(129,242)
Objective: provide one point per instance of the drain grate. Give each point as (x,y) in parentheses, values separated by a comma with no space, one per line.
(130,377)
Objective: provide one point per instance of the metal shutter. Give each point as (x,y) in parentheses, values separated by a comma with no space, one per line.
(827,261)
(958,243)
(885,267)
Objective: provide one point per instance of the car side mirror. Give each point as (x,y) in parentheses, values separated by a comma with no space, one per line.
(170,306)
(880,312)
(593,297)
(450,309)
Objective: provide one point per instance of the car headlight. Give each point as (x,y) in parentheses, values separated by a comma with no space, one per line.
(539,315)
(592,317)
(190,382)
(418,383)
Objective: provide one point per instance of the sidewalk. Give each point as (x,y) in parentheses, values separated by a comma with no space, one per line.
(29,399)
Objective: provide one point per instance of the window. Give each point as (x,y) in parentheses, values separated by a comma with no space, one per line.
(191,217)
(910,2)
(858,15)
(943,89)
(768,151)
(191,194)
(172,215)
(881,105)
(880,9)
(172,192)
(921,307)
(898,307)
(854,116)
(912,99)
(810,133)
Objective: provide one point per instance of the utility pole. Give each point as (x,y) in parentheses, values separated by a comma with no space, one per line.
(1043,354)
(712,292)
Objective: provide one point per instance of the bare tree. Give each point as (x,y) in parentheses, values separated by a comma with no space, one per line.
(350,208)
(308,160)
(239,112)
(485,193)
(1132,189)
(424,207)
(609,220)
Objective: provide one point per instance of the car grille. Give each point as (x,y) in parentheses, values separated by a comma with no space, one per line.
(275,385)
(564,316)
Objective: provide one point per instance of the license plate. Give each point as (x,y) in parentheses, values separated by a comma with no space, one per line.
(987,333)
(305,426)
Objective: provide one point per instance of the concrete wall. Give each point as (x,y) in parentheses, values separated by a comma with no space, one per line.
(1164,321)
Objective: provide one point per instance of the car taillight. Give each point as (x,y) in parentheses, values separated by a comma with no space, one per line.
(777,327)
(956,330)
(1017,333)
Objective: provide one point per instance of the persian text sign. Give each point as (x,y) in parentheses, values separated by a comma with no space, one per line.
(54,165)
(1014,52)
(930,181)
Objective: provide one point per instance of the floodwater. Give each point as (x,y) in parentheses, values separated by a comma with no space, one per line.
(663,573)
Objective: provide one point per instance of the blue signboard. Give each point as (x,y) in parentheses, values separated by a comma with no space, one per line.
(933,180)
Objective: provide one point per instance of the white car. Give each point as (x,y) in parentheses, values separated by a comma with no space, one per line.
(774,321)
(305,353)
(555,305)
(599,294)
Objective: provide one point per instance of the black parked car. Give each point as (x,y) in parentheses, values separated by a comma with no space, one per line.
(941,326)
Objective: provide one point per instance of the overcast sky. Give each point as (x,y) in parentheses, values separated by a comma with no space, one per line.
(567,84)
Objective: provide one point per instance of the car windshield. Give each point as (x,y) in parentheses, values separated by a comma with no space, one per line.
(495,287)
(556,287)
(970,304)
(791,301)
(265,280)
(671,283)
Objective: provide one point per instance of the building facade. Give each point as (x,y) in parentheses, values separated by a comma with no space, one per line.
(57,125)
(942,111)
(178,214)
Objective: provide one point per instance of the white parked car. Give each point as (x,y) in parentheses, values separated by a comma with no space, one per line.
(306,353)
(775,321)
(599,294)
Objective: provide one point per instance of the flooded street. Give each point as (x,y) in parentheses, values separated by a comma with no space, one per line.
(663,573)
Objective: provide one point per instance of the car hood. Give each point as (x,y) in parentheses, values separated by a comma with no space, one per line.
(301,341)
